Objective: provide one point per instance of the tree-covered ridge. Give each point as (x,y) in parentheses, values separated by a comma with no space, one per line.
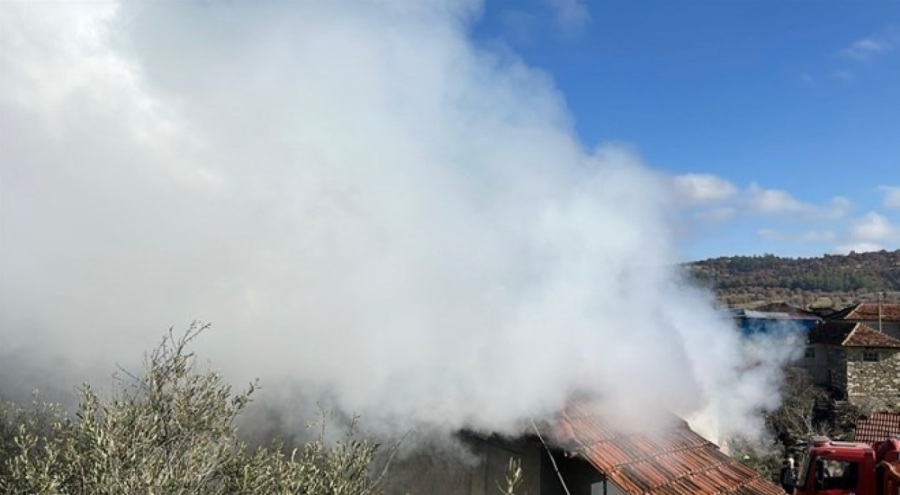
(833,280)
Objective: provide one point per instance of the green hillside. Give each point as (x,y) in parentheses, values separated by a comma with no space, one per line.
(827,281)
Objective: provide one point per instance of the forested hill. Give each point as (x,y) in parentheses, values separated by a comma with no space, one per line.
(829,281)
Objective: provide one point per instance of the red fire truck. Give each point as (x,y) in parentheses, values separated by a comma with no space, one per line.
(847,468)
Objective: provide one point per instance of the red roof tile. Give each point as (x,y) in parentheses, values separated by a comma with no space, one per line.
(869,312)
(673,461)
(850,334)
(877,427)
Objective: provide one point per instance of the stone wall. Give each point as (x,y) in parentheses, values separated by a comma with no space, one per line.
(878,380)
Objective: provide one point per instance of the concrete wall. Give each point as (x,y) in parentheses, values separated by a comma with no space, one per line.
(817,364)
(876,380)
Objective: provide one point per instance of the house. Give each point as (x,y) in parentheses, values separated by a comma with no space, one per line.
(673,460)
(591,458)
(884,317)
(855,361)
(753,321)
(783,307)
(877,427)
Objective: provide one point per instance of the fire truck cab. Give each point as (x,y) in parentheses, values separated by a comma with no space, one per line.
(847,468)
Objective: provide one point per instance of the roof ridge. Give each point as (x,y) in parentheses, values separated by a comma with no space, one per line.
(853,309)
(850,334)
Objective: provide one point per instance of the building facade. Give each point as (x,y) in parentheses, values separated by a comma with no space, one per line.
(855,362)
(589,455)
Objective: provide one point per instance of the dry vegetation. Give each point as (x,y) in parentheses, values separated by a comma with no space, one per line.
(834,281)
(170,431)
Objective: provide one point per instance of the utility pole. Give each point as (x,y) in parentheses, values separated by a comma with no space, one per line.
(880,302)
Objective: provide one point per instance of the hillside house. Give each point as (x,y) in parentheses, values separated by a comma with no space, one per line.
(884,317)
(855,361)
(591,458)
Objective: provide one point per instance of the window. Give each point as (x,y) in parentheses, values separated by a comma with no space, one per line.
(871,356)
(810,352)
(836,475)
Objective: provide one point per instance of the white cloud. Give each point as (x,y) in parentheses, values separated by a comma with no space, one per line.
(872,46)
(871,232)
(774,235)
(859,247)
(773,201)
(837,208)
(865,48)
(891,198)
(809,237)
(571,15)
(703,188)
(778,202)
(818,236)
(716,215)
(874,227)
(843,75)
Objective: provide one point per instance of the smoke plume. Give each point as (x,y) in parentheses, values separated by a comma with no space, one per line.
(363,199)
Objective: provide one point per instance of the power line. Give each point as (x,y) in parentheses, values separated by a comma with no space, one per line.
(550,454)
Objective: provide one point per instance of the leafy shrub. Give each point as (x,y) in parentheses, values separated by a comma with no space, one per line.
(169,431)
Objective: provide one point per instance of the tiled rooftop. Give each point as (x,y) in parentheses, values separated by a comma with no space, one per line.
(673,461)
(850,334)
(869,312)
(877,427)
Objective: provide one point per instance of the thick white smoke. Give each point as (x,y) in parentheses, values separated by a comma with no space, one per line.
(359,197)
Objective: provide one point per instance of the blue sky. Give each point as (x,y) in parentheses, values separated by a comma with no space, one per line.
(781,117)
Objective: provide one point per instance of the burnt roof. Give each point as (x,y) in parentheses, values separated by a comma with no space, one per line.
(869,312)
(673,461)
(877,427)
(790,309)
(850,334)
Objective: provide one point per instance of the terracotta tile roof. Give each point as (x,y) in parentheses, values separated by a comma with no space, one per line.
(850,334)
(877,427)
(869,312)
(673,461)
